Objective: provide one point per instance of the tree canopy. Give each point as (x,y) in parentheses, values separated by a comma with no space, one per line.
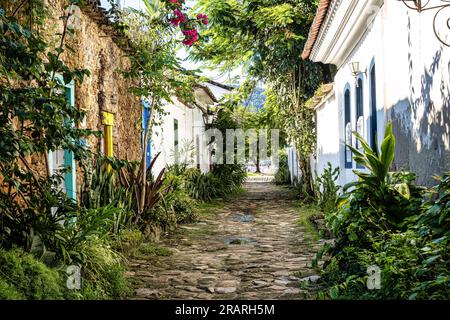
(267,39)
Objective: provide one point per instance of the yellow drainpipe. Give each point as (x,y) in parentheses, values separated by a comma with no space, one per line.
(108,121)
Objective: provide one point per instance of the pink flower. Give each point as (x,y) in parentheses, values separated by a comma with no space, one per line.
(203,17)
(179,18)
(191,36)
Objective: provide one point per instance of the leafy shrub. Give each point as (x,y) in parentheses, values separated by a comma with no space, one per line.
(22,276)
(33,98)
(184,207)
(386,221)
(326,189)
(282,176)
(8,292)
(202,186)
(178,199)
(129,240)
(107,187)
(435,219)
(103,271)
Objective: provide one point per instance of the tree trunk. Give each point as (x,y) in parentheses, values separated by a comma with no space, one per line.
(258,160)
(306,180)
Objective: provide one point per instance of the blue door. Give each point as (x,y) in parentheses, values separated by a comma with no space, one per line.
(145,117)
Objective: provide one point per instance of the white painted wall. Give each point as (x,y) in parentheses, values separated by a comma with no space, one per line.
(327,128)
(413,86)
(190,126)
(294,169)
(368,52)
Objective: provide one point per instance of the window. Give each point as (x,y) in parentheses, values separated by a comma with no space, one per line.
(64,159)
(175,139)
(348,129)
(359,113)
(373,108)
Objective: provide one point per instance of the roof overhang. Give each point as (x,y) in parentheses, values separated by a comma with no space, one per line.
(325,92)
(321,14)
(340,30)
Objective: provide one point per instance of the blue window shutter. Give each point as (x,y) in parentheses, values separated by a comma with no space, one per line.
(347,135)
(145,117)
(373,108)
(359,113)
(69,158)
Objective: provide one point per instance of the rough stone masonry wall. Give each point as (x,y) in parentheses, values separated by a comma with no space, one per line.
(106,89)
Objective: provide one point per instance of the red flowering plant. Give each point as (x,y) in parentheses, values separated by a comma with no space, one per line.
(187,25)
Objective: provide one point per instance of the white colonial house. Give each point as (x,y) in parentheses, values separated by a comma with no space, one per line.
(178,137)
(393,64)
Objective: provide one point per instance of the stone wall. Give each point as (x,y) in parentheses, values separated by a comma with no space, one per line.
(102,51)
(96,48)
(106,89)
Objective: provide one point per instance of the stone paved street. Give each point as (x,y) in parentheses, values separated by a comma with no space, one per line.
(252,248)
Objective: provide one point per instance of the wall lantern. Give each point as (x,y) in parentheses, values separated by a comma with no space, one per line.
(355,69)
(438,20)
(208,119)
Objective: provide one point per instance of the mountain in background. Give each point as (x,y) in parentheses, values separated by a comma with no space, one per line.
(256,99)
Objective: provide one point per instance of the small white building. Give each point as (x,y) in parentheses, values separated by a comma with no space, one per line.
(393,64)
(178,137)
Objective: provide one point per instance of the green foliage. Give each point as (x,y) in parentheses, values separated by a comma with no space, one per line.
(23,277)
(102,271)
(35,119)
(183,206)
(150,250)
(202,186)
(178,199)
(129,240)
(326,189)
(386,221)
(283,175)
(435,219)
(23,225)
(108,187)
(117,183)
(267,38)
(108,285)
(307,215)
(8,292)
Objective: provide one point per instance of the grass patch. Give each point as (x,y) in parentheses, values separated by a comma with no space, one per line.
(306,213)
(209,209)
(152,250)
(198,232)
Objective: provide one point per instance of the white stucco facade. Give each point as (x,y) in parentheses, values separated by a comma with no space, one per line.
(404,78)
(327,128)
(182,128)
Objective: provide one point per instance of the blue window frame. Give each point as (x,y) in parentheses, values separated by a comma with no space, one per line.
(359,114)
(66,158)
(347,129)
(145,116)
(373,109)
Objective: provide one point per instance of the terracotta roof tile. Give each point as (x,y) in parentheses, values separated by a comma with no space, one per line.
(321,13)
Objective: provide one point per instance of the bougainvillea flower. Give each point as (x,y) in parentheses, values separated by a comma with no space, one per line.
(203,17)
(191,36)
(179,18)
